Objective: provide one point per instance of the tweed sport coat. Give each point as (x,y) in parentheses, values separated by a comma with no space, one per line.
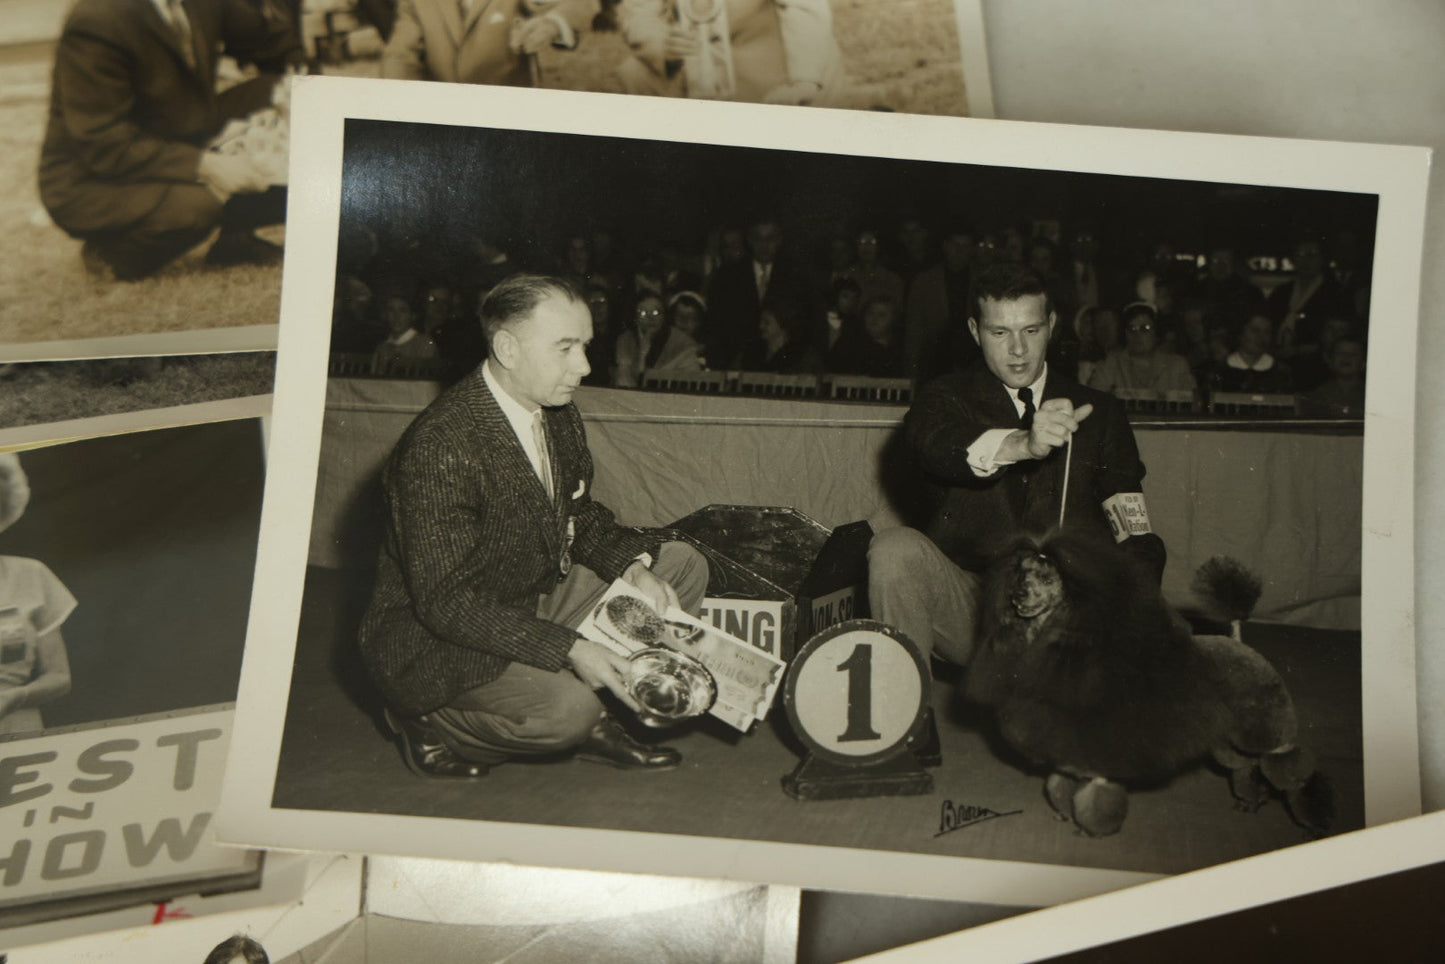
(974,518)
(127,111)
(472,541)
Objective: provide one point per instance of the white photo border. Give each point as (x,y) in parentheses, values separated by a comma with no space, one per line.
(1397,175)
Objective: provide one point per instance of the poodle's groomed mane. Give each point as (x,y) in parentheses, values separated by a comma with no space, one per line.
(1110,601)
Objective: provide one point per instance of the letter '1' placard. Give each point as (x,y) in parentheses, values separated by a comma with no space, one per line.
(855,694)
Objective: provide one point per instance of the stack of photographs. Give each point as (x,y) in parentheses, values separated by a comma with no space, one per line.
(186,557)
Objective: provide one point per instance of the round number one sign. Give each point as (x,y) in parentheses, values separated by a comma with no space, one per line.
(855,693)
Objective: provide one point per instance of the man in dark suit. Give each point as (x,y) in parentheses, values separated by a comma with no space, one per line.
(495,553)
(993,443)
(939,303)
(736,291)
(133,107)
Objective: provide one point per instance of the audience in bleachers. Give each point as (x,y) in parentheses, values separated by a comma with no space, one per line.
(649,341)
(779,345)
(1251,367)
(890,304)
(872,347)
(403,343)
(1143,364)
(1344,393)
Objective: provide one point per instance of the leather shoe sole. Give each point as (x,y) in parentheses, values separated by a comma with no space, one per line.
(435,761)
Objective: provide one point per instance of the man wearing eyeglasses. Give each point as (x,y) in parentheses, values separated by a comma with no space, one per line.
(992,446)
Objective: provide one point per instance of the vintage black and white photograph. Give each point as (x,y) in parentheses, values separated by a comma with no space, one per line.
(1048,484)
(125,562)
(144,168)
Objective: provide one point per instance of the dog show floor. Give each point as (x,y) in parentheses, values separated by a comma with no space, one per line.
(336,755)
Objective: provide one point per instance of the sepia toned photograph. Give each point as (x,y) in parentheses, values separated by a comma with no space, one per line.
(126,573)
(746,371)
(146,141)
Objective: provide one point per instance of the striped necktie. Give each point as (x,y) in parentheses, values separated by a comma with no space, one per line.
(544,458)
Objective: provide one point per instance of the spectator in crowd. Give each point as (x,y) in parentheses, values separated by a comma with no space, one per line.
(915,246)
(456,334)
(649,343)
(874,348)
(985,250)
(1250,367)
(842,315)
(936,336)
(782,52)
(1142,365)
(1300,306)
(1042,255)
(1169,270)
(1344,393)
(1191,336)
(780,345)
(354,326)
(1223,291)
(737,290)
(481,43)
(126,164)
(1083,269)
(725,245)
(403,344)
(602,349)
(1313,369)
(1011,246)
(687,314)
(577,260)
(874,279)
(840,258)
(1350,271)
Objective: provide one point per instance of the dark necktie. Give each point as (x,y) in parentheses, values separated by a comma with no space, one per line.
(1026,395)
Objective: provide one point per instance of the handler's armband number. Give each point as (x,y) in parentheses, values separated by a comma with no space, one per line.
(1127,514)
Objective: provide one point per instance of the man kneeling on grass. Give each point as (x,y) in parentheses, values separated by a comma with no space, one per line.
(133,107)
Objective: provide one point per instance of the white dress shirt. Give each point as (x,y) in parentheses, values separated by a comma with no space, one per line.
(983,453)
(518,416)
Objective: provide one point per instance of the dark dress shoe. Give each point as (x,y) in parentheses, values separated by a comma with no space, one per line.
(425,753)
(242,248)
(609,743)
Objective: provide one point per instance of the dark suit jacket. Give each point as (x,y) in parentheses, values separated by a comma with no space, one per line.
(126,111)
(933,342)
(733,304)
(472,541)
(976,518)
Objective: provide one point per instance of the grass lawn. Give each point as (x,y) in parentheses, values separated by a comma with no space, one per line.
(45,294)
(44,392)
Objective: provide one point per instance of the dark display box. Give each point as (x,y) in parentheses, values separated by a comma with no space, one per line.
(778,577)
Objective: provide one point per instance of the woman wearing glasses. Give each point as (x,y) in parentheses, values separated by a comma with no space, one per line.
(1142,365)
(650,342)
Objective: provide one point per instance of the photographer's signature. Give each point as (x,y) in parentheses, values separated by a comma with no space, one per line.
(955,817)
